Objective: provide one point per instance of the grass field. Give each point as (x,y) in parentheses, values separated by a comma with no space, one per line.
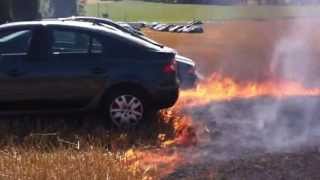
(146,11)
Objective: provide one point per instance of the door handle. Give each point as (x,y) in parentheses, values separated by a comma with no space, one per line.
(14,73)
(98,70)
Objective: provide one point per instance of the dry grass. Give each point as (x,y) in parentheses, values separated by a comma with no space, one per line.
(71,148)
(96,163)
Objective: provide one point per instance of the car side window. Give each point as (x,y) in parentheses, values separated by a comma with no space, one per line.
(65,41)
(15,42)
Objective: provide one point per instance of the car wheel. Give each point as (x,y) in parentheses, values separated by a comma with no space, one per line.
(126,109)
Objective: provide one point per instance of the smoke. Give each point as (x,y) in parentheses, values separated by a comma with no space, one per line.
(246,127)
(295,56)
(293,123)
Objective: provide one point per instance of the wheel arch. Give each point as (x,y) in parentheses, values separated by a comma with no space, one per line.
(130,86)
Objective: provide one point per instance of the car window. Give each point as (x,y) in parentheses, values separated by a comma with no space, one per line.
(65,41)
(15,42)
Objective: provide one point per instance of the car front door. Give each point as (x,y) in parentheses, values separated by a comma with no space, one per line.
(14,47)
(67,72)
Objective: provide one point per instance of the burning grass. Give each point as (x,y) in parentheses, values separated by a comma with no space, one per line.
(218,88)
(213,90)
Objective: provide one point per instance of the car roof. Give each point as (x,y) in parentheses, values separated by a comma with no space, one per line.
(98,21)
(87,18)
(72,24)
(76,25)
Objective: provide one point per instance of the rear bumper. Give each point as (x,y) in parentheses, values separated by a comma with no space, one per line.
(165,97)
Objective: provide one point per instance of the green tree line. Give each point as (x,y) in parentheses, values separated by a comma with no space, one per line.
(24,10)
(18,10)
(244,2)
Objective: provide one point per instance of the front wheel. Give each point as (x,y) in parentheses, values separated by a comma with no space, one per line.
(126,109)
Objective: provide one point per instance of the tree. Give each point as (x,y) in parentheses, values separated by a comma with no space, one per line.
(4,11)
(25,10)
(17,10)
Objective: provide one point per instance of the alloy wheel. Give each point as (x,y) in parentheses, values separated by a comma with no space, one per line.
(126,111)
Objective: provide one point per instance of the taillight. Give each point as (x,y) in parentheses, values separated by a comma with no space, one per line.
(170,67)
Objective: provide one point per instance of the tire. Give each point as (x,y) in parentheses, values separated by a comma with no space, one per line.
(126,109)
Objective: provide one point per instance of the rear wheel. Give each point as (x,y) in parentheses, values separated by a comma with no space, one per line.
(126,109)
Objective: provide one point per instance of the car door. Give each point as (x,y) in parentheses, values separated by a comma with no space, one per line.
(14,47)
(69,74)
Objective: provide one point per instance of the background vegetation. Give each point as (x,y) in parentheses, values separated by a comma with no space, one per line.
(17,10)
(233,2)
(171,11)
(150,11)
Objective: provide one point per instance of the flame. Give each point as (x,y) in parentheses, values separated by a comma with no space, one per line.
(168,156)
(159,161)
(184,130)
(218,88)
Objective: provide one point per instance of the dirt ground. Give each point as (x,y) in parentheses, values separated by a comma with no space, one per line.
(240,49)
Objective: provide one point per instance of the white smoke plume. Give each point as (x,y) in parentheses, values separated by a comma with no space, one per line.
(296,55)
